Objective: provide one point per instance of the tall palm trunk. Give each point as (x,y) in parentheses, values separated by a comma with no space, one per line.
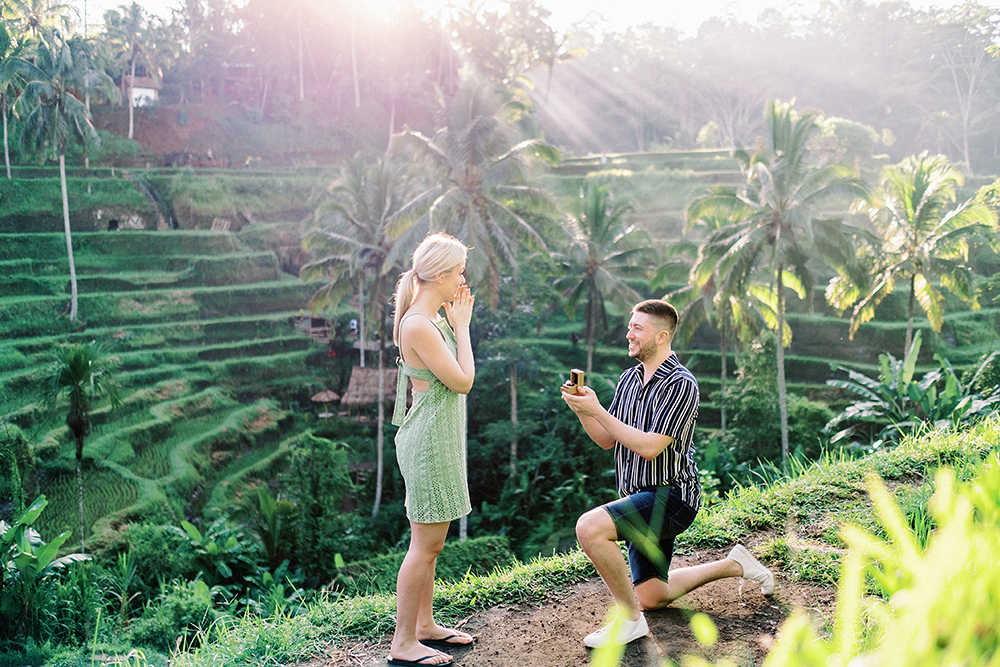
(513,391)
(363,343)
(69,237)
(6,147)
(79,485)
(354,67)
(302,85)
(909,318)
(380,432)
(590,329)
(513,418)
(131,102)
(782,396)
(722,376)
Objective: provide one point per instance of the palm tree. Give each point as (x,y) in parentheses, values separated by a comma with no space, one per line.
(482,192)
(130,33)
(918,238)
(357,224)
(85,375)
(741,308)
(605,250)
(14,71)
(53,115)
(783,188)
(482,186)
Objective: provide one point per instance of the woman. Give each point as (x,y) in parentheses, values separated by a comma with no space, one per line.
(430,443)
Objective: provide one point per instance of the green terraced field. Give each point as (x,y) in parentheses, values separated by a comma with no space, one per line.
(203,326)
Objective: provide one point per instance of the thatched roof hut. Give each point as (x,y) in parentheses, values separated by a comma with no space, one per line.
(363,387)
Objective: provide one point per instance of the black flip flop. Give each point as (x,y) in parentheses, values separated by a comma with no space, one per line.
(419,662)
(444,643)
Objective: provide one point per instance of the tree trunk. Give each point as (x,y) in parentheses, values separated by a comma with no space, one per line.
(380,433)
(354,67)
(361,320)
(590,332)
(392,121)
(513,418)
(909,318)
(131,104)
(722,377)
(69,237)
(79,485)
(782,396)
(6,147)
(302,85)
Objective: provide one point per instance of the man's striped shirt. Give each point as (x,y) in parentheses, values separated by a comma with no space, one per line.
(667,405)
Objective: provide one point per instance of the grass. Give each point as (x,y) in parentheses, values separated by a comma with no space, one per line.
(809,508)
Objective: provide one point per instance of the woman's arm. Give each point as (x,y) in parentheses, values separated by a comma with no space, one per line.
(423,339)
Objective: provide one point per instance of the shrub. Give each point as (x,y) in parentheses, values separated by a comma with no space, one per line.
(160,555)
(318,481)
(756,426)
(183,612)
(902,603)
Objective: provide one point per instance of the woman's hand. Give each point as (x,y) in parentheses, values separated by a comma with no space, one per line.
(459,311)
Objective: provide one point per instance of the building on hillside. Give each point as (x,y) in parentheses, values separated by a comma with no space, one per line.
(145,89)
(362,389)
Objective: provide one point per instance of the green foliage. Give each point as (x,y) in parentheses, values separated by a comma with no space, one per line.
(318,481)
(16,460)
(182,615)
(934,602)
(477,556)
(896,403)
(159,555)
(222,553)
(755,432)
(28,568)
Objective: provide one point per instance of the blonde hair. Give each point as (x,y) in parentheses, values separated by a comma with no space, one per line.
(437,253)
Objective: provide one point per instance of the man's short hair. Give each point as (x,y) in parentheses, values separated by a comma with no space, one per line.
(661,310)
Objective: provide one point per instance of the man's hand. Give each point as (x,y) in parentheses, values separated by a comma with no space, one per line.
(584,403)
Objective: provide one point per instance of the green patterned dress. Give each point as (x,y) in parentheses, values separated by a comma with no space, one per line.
(430,444)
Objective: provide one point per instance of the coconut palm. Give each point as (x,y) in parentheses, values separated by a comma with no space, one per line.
(481,178)
(356,225)
(482,194)
(604,252)
(919,238)
(740,308)
(85,375)
(54,116)
(14,71)
(130,33)
(784,185)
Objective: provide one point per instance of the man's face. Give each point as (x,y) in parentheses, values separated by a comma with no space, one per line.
(641,336)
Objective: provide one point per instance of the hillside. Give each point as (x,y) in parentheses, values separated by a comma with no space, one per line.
(203,324)
(536,613)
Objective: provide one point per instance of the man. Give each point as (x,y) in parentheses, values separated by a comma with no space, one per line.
(650,424)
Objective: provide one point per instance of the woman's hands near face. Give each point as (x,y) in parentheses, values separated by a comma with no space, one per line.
(459,311)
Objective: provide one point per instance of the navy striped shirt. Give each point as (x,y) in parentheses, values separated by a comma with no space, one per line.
(667,405)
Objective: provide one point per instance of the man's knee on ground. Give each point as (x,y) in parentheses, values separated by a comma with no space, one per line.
(595,525)
(653,594)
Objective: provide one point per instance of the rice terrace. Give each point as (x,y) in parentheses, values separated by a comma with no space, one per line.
(207,215)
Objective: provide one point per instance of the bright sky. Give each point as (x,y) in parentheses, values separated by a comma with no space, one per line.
(685,15)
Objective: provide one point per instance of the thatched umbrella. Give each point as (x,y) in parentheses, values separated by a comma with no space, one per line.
(325,397)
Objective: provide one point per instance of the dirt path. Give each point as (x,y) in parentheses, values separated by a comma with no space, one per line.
(551,634)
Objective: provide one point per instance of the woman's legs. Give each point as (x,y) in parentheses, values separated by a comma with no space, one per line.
(415,592)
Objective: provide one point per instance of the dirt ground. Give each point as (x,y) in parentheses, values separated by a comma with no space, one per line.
(551,634)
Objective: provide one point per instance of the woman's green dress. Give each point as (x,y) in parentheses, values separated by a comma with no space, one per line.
(430,444)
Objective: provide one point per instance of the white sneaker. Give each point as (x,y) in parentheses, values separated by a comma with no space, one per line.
(627,631)
(752,569)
